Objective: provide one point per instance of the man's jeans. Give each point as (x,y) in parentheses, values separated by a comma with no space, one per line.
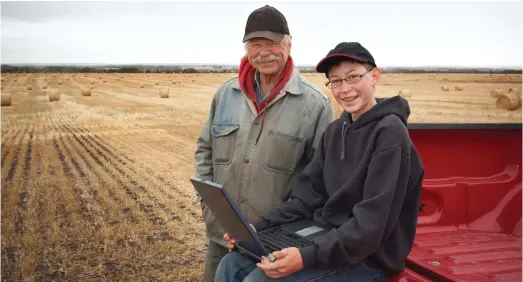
(236,267)
(215,253)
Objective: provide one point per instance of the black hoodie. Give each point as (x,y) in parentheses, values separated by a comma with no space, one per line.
(365,180)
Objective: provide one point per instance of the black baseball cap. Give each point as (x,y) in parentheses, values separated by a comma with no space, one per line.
(350,50)
(266,22)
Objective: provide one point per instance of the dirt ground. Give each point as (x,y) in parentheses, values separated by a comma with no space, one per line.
(95,188)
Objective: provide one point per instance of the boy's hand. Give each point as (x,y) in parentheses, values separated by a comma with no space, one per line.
(231,241)
(287,262)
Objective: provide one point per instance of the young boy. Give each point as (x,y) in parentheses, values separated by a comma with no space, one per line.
(364,179)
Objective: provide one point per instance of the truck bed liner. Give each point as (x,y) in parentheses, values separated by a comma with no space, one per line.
(453,254)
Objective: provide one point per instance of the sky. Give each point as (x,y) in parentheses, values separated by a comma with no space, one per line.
(406,33)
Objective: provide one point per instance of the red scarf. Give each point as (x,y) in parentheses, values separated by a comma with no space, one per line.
(246,79)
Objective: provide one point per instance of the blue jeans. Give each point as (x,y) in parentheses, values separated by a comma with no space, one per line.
(236,267)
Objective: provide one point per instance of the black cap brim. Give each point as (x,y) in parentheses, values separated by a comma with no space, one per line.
(274,36)
(325,63)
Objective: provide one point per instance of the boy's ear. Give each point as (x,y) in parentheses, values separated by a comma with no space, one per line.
(376,74)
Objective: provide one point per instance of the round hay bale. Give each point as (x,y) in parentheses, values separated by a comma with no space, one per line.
(405,93)
(54,95)
(509,101)
(6,99)
(444,88)
(44,87)
(29,88)
(458,88)
(86,91)
(164,93)
(495,93)
(59,83)
(142,86)
(156,83)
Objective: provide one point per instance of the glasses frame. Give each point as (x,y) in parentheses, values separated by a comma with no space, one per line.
(360,77)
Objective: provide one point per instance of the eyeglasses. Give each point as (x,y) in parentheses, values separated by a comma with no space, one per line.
(351,79)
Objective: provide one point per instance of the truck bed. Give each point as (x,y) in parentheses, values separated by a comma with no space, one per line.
(470,226)
(450,253)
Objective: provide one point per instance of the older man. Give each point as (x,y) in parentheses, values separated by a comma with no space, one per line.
(263,128)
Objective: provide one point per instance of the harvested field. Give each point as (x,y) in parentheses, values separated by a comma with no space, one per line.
(95,188)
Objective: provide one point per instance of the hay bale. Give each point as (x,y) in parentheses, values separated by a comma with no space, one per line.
(510,90)
(509,101)
(405,93)
(142,86)
(86,91)
(444,88)
(54,95)
(495,93)
(29,88)
(164,93)
(156,83)
(6,99)
(458,88)
(44,87)
(59,83)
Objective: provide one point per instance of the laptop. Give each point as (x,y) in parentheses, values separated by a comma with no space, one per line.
(255,244)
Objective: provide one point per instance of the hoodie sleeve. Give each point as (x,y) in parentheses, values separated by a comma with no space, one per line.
(308,195)
(383,194)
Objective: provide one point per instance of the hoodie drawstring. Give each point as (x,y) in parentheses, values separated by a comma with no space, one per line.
(343,137)
(343,141)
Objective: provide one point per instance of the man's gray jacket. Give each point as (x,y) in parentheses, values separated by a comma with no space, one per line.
(259,175)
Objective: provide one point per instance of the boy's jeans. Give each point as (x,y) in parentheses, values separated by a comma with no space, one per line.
(235,267)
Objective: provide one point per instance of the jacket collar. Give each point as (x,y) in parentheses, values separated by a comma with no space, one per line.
(293,86)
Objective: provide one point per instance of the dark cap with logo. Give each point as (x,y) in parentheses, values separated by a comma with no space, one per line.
(266,22)
(345,50)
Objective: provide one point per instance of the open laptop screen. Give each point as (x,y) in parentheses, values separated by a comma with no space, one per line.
(229,215)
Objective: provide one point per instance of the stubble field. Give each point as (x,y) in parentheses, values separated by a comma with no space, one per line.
(95,188)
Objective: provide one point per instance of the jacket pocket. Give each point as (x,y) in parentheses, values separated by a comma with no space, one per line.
(224,142)
(283,152)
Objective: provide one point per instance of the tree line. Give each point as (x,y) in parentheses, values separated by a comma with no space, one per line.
(220,69)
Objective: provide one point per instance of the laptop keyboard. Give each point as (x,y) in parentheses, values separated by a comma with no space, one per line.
(277,238)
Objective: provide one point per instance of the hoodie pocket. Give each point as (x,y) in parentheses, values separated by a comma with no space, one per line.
(224,142)
(283,153)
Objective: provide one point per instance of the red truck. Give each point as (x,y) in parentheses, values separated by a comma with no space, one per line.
(469,226)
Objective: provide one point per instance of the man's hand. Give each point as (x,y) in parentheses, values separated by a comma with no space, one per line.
(231,241)
(287,262)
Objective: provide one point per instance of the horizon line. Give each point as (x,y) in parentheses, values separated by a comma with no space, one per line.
(237,65)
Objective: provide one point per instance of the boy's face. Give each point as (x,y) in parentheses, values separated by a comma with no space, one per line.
(355,97)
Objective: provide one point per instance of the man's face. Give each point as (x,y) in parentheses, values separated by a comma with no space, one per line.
(266,56)
(355,97)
